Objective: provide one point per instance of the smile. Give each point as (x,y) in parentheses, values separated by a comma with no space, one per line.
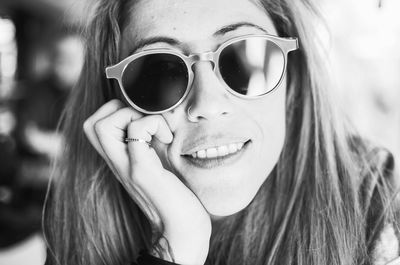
(219,151)
(223,155)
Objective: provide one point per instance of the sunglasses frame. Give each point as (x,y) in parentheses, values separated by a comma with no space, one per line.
(116,71)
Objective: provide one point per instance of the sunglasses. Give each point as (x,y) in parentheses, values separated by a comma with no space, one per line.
(157,80)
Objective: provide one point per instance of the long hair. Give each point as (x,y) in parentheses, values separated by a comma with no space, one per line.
(308,211)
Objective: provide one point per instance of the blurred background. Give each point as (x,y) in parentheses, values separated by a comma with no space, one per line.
(41,56)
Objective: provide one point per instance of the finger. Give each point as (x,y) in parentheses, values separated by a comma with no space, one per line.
(104,111)
(110,133)
(160,187)
(149,125)
(396,261)
(127,165)
(119,118)
(115,125)
(90,127)
(145,129)
(146,168)
(108,108)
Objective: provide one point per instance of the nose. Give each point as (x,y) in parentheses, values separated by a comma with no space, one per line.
(208,99)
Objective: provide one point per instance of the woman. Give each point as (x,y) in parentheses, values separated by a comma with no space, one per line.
(210,140)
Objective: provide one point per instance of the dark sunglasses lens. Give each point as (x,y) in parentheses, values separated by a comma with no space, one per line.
(252,67)
(155,82)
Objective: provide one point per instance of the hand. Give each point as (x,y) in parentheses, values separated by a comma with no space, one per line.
(163,198)
(396,261)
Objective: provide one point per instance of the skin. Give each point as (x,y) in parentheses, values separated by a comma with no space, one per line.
(168,188)
(216,109)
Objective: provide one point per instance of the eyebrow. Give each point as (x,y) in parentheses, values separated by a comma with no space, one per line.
(236,26)
(174,42)
(159,39)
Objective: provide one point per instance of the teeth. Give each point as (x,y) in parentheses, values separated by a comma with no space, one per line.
(218,151)
(240,145)
(212,152)
(232,148)
(202,154)
(223,150)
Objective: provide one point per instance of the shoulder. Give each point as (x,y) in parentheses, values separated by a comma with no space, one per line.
(378,191)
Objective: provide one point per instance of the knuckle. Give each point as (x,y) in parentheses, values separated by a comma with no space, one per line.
(158,118)
(87,124)
(150,121)
(133,126)
(115,103)
(99,126)
(161,122)
(125,110)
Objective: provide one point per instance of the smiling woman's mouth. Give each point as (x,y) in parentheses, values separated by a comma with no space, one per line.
(217,156)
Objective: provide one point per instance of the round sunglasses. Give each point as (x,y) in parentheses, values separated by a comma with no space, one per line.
(157,80)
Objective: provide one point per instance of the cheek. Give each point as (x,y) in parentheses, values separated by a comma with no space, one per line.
(270,116)
(227,191)
(266,117)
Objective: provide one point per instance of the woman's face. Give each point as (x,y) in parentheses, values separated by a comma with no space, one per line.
(225,184)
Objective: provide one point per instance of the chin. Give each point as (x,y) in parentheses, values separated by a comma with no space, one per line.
(224,203)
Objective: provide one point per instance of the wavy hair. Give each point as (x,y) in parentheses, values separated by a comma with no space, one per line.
(308,212)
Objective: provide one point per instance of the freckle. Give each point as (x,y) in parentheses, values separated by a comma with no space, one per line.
(174,28)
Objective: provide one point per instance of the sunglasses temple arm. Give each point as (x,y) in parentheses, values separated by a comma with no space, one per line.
(291,44)
(111,72)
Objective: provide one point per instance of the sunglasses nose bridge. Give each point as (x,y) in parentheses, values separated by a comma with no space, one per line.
(202,57)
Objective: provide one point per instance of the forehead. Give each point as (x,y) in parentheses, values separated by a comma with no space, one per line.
(191,20)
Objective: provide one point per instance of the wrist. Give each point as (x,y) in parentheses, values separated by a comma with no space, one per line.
(190,252)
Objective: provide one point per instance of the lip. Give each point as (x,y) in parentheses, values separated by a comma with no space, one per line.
(210,141)
(209,163)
